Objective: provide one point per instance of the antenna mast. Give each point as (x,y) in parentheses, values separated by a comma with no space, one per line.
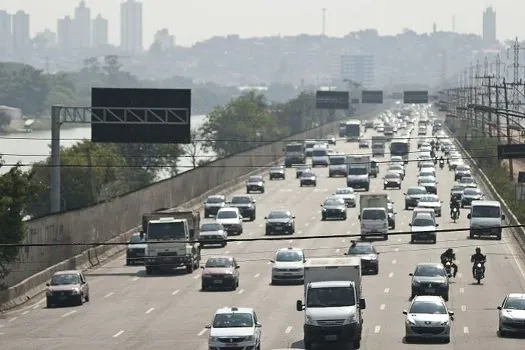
(323,29)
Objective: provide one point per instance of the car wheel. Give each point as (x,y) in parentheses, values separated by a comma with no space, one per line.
(129,262)
(86,298)
(49,305)
(80,300)
(445,297)
(203,287)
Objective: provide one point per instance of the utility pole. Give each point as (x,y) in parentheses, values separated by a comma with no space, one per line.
(509,136)
(323,28)
(486,82)
(498,80)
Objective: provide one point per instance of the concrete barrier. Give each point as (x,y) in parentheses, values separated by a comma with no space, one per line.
(117,219)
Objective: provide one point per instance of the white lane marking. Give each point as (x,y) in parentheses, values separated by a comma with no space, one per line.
(108,295)
(250,233)
(390,275)
(150,310)
(239,243)
(175,292)
(288,329)
(25,312)
(241,291)
(387,290)
(343,240)
(2,325)
(135,278)
(462,290)
(260,225)
(307,224)
(394,262)
(118,334)
(399,239)
(377,329)
(290,241)
(36,306)
(197,276)
(300,232)
(201,332)
(269,262)
(12,319)
(382,307)
(397,249)
(463,308)
(313,217)
(227,252)
(257,275)
(69,313)
(337,250)
(286,190)
(465,330)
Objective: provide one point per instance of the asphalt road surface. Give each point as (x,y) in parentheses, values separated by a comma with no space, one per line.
(129,310)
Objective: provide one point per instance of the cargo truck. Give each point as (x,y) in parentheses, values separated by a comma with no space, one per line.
(172,240)
(373,215)
(294,154)
(378,146)
(358,172)
(333,302)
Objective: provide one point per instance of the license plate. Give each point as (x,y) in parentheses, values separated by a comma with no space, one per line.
(217,281)
(430,290)
(62,297)
(277,228)
(330,337)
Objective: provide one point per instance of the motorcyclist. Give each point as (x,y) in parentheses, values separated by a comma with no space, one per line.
(454,203)
(478,258)
(449,255)
(432,153)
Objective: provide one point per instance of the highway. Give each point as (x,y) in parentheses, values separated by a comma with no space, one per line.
(131,311)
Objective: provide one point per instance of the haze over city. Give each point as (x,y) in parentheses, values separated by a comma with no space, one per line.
(198,20)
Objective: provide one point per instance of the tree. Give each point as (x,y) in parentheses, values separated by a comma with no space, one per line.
(195,149)
(16,190)
(5,119)
(299,114)
(243,123)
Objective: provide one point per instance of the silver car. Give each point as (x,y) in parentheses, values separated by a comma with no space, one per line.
(431,201)
(347,194)
(428,318)
(512,315)
(212,233)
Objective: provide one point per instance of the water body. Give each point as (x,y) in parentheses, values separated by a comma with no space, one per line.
(28,148)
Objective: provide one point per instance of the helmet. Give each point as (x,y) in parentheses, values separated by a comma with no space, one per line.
(478,250)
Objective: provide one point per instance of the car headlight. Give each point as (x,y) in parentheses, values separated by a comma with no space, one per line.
(274,270)
(324,209)
(308,320)
(49,293)
(249,338)
(75,291)
(415,283)
(410,322)
(444,323)
(386,182)
(213,339)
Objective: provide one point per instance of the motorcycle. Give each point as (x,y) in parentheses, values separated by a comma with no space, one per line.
(455,214)
(441,164)
(478,272)
(435,160)
(448,268)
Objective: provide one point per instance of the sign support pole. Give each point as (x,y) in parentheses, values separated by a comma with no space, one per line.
(54,195)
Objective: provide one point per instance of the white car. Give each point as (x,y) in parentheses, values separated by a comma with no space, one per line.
(231,219)
(234,325)
(430,201)
(428,318)
(512,314)
(397,168)
(212,233)
(423,228)
(288,265)
(347,194)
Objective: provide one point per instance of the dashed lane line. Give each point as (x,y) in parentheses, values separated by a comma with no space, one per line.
(465,330)
(25,312)
(150,310)
(239,243)
(394,262)
(463,308)
(241,291)
(201,333)
(175,292)
(382,307)
(290,241)
(397,249)
(108,295)
(461,290)
(257,275)
(390,275)
(197,276)
(69,313)
(338,250)
(13,319)
(387,290)
(118,334)
(377,329)
(135,278)
(288,330)
(227,252)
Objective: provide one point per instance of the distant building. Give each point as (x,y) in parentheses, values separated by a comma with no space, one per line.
(46,39)
(82,26)
(100,31)
(65,33)
(21,36)
(131,26)
(5,34)
(489,25)
(358,68)
(164,39)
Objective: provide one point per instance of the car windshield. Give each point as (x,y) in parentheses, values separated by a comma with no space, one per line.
(219,262)
(357,171)
(425,180)
(136,239)
(65,279)
(361,249)
(471,191)
(211,227)
(227,214)
(319,152)
(333,201)
(462,167)
(418,221)
(429,271)
(428,199)
(515,304)
(344,191)
(392,176)
(241,200)
(396,167)
(373,215)
(330,297)
(428,307)
(416,191)
(279,215)
(255,179)
(233,320)
(485,211)
(277,168)
(166,231)
(289,256)
(214,200)
(307,174)
(337,160)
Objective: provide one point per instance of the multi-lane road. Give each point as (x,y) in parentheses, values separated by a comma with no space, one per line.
(129,310)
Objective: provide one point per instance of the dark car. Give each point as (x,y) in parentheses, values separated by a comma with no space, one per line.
(368,254)
(429,183)
(255,184)
(67,287)
(299,169)
(333,208)
(363,144)
(136,249)
(470,194)
(220,272)
(461,171)
(212,204)
(457,191)
(392,180)
(246,206)
(308,178)
(412,196)
(277,172)
(430,279)
(280,221)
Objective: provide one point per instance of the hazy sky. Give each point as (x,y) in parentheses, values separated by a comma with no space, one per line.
(194,20)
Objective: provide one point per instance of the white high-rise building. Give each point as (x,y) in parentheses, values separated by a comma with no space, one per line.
(131,26)
(358,68)
(6,34)
(164,39)
(21,36)
(489,25)
(66,33)
(100,31)
(82,25)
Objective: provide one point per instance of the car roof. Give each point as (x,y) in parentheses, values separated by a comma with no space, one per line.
(429,264)
(290,249)
(428,298)
(241,196)
(221,196)
(228,257)
(230,309)
(280,211)
(67,272)
(362,244)
(516,295)
(424,215)
(229,209)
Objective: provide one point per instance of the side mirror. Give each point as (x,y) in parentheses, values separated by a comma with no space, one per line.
(499,307)
(503,217)
(359,217)
(404,194)
(254,201)
(272,261)
(293,217)
(437,225)
(410,225)
(208,326)
(411,274)
(202,267)
(237,267)
(48,285)
(265,218)
(362,304)
(451,313)
(468,216)
(299,305)
(258,325)
(346,253)
(405,312)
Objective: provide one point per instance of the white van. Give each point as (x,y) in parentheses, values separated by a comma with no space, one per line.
(320,156)
(485,219)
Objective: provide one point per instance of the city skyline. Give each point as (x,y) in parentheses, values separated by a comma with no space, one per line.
(239,17)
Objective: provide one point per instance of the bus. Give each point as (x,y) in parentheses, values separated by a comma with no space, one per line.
(353,130)
(400,148)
